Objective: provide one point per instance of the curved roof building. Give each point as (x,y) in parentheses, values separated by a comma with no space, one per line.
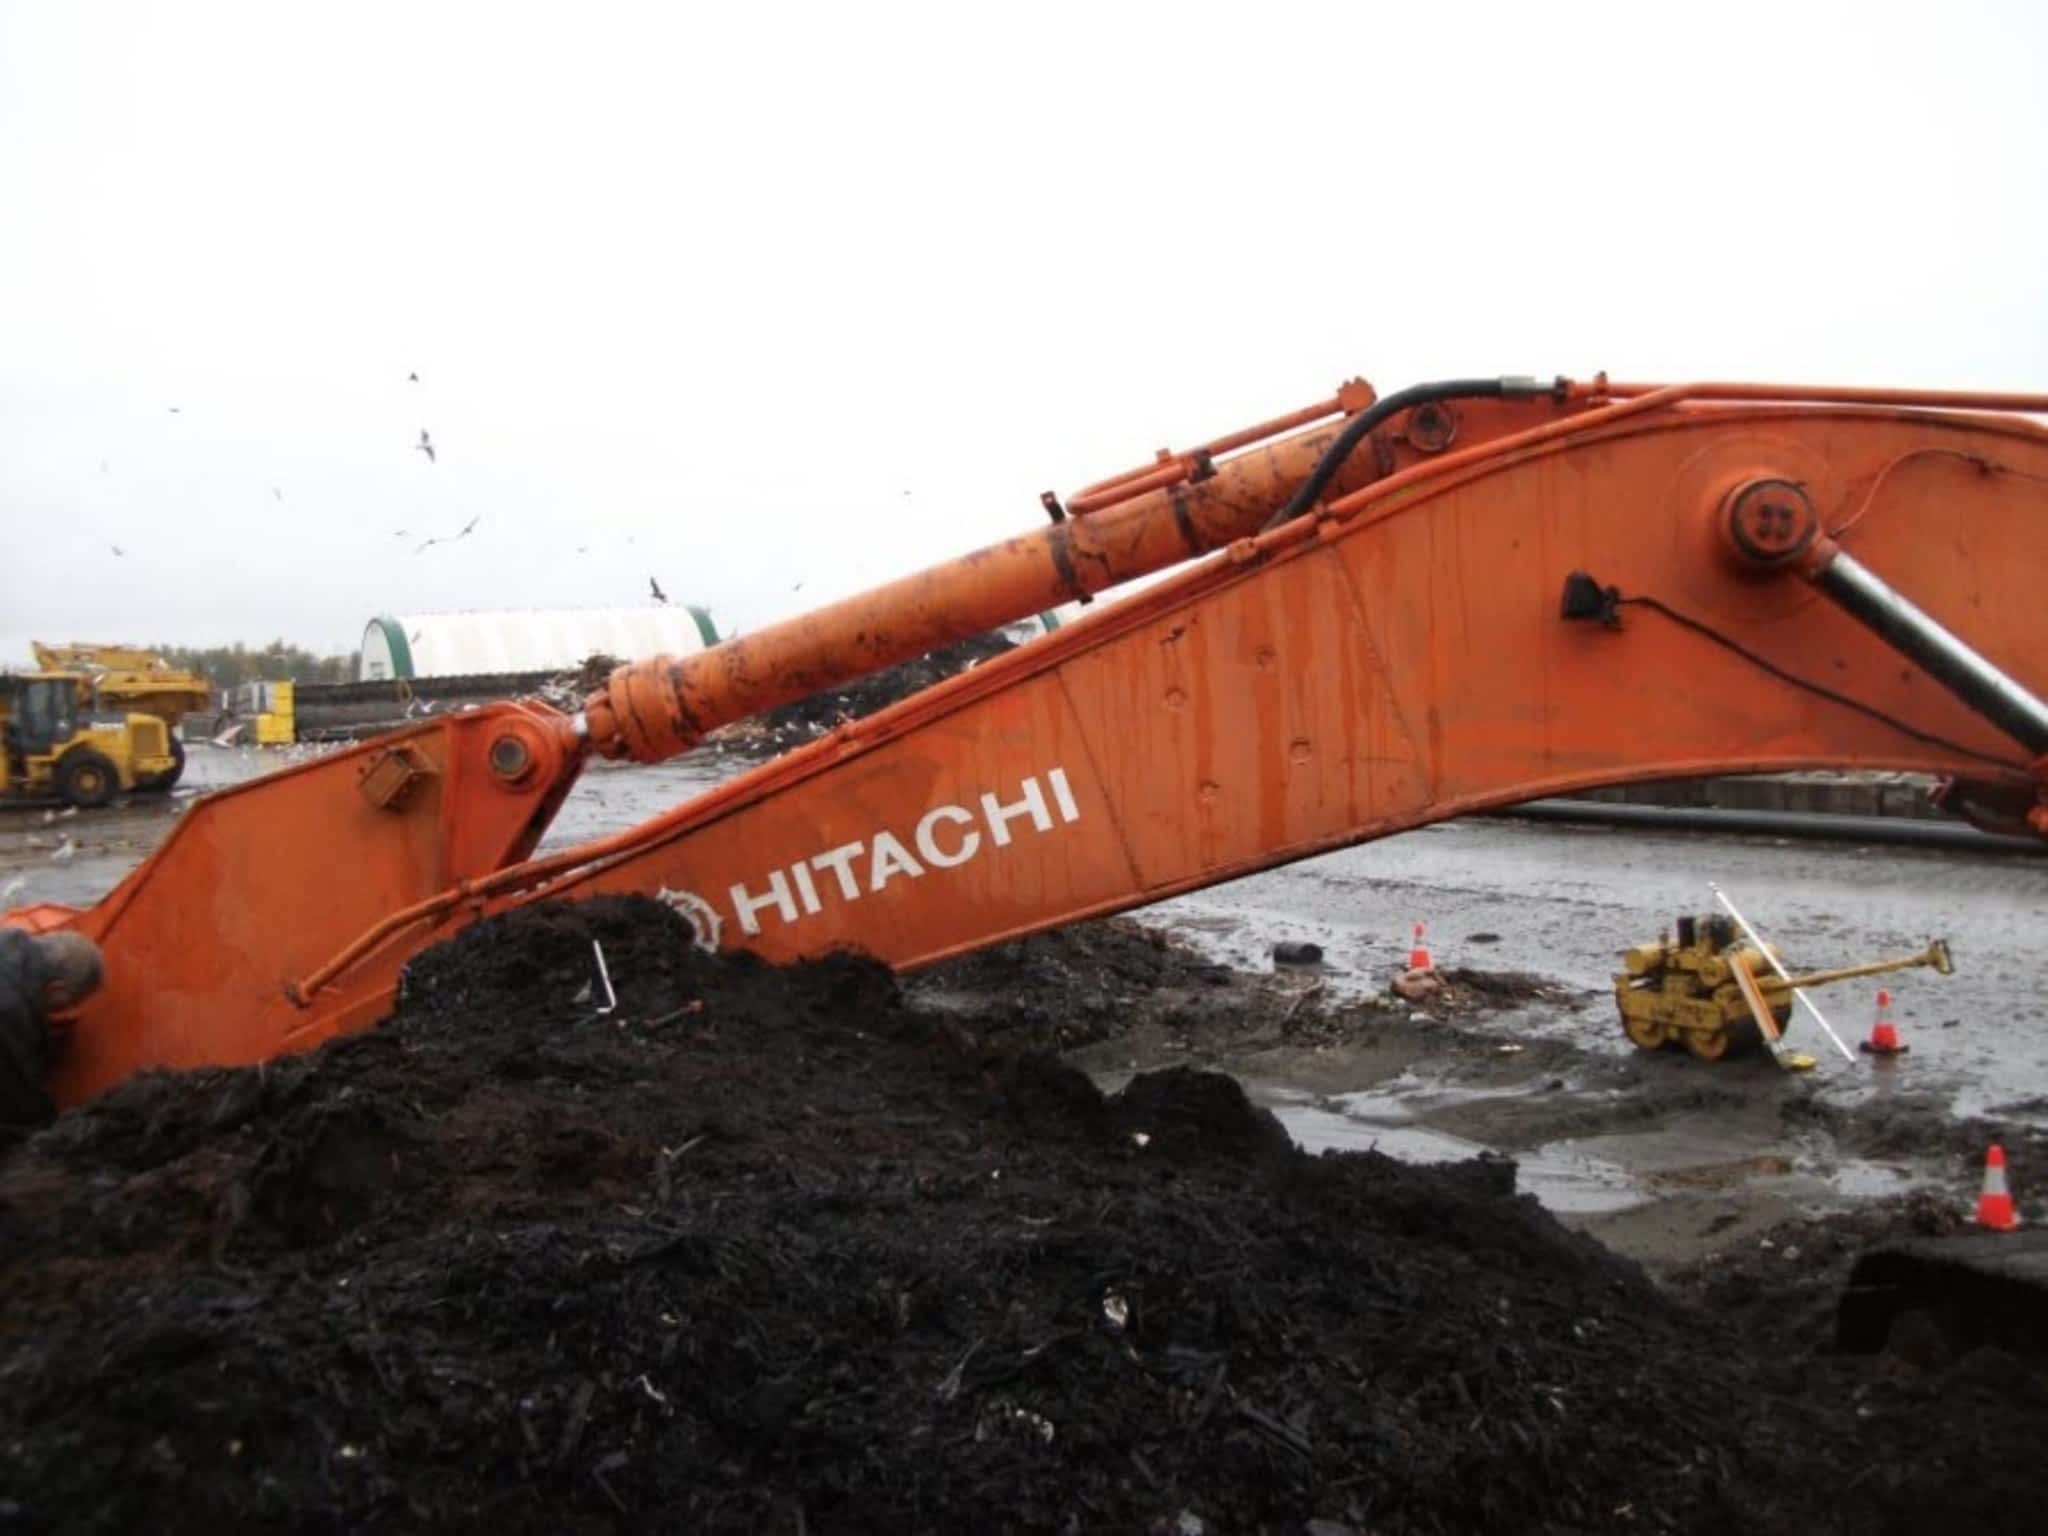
(526,640)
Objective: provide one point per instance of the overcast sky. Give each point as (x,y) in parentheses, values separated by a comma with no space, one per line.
(744,296)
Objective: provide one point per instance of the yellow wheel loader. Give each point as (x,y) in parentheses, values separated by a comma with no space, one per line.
(116,679)
(57,748)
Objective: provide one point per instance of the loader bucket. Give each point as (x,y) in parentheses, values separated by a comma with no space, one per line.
(1973,1289)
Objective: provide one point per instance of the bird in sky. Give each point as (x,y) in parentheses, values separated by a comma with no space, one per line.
(467,528)
(177,410)
(412,378)
(582,549)
(654,587)
(276,494)
(425,445)
(103,466)
(798,587)
(398,533)
(117,549)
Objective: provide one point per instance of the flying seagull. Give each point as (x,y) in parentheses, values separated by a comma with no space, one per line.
(453,537)
(117,549)
(655,587)
(425,445)
(276,494)
(412,378)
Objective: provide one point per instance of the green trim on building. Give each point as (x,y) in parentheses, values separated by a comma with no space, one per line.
(397,644)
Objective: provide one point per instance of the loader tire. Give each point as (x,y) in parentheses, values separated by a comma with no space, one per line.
(87,779)
(1709,1044)
(1646,1034)
(24,1101)
(159,783)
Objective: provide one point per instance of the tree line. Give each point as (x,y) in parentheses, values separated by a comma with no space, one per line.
(229,666)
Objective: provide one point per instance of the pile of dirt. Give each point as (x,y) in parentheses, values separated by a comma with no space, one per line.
(809,718)
(593,674)
(1781,1287)
(1468,989)
(1075,986)
(1462,1009)
(784,1251)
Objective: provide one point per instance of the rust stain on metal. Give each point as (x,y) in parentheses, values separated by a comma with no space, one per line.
(1061,547)
(1185,522)
(1432,427)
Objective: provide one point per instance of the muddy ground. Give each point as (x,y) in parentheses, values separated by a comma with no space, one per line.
(1663,1158)
(813,1251)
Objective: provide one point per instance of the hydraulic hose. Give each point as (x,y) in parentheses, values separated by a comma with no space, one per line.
(1363,424)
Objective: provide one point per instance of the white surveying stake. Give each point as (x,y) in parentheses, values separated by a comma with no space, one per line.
(1755,998)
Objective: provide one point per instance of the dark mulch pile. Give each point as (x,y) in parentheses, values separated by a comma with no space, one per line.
(776,1251)
(1075,986)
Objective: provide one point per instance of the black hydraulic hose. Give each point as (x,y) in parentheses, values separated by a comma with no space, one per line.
(1360,426)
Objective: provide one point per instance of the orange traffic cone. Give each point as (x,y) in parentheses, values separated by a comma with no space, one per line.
(1418,956)
(1884,1034)
(1994,1205)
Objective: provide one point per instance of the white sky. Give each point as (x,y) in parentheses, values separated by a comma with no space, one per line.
(708,290)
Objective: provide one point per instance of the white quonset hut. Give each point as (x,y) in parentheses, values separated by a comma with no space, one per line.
(526,641)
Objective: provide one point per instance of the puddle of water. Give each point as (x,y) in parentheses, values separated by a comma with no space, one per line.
(1559,1181)
(1410,1093)
(1389,1104)
(1870,1181)
(1244,939)
(1322,1130)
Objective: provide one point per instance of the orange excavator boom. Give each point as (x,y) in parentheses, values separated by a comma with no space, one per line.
(1443,601)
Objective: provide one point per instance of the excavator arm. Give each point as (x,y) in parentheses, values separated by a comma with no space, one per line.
(1390,612)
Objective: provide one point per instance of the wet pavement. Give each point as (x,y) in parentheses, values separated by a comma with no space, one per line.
(1563,901)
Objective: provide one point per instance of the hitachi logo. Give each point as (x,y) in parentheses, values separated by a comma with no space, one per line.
(945,837)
